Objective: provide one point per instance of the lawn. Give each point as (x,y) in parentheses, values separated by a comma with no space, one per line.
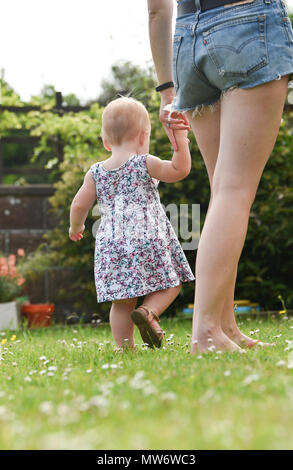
(67,388)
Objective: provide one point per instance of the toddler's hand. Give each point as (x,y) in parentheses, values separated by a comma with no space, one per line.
(77,235)
(181,135)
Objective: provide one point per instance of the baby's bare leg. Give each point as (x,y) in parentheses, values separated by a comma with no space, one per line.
(121,323)
(158,301)
(146,316)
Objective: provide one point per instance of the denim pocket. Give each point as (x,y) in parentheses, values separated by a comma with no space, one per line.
(238,46)
(176,46)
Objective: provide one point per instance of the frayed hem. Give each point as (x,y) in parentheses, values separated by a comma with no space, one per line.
(197,111)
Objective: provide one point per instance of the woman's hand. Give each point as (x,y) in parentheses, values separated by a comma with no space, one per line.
(173,121)
(77,234)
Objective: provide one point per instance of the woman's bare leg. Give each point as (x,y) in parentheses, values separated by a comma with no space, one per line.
(249,124)
(121,324)
(206,129)
(228,323)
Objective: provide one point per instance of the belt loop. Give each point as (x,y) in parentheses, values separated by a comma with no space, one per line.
(198,10)
(197,4)
(267,2)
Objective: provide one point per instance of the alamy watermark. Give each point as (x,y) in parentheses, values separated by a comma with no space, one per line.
(133,222)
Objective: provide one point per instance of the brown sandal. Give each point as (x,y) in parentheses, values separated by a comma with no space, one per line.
(147,322)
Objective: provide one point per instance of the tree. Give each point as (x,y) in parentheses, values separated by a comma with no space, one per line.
(127,80)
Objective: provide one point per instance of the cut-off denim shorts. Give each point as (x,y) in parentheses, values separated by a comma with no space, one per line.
(217,50)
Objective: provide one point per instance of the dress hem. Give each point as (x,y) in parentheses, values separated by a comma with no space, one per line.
(148,292)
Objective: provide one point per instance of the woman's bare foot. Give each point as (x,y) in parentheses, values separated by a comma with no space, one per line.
(213,341)
(241,339)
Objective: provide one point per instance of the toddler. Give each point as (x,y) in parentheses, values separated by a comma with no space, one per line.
(137,252)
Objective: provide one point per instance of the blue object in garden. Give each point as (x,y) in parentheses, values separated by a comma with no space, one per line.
(243,309)
(187,311)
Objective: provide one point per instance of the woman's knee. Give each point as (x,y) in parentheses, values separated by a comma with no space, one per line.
(234,193)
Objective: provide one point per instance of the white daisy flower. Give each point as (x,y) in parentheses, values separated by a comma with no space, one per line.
(280,363)
(46,407)
(251,378)
(168,396)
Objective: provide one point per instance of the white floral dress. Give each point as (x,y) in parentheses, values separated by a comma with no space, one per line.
(137,251)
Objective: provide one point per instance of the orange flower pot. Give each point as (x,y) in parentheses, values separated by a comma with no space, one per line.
(38,315)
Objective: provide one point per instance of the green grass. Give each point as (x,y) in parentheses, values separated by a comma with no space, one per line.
(162,399)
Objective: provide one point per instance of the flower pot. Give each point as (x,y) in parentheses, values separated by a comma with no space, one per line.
(38,315)
(9,315)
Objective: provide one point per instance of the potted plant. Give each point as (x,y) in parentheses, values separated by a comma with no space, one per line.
(14,270)
(11,282)
(37,314)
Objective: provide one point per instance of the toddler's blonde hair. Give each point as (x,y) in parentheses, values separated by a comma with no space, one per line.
(123,119)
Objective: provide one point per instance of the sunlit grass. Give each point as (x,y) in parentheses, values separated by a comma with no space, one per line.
(67,388)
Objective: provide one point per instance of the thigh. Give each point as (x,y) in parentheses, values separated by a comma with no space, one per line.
(249,125)
(206,129)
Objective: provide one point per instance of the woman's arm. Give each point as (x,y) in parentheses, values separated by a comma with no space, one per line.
(176,169)
(160,32)
(81,204)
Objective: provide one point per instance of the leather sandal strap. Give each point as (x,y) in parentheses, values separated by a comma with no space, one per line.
(150,312)
(152,316)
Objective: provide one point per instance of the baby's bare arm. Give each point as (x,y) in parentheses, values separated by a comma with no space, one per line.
(176,169)
(81,204)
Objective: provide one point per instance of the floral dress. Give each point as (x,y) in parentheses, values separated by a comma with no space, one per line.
(136,251)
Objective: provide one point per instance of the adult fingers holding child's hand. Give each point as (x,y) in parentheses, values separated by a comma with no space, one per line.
(172,121)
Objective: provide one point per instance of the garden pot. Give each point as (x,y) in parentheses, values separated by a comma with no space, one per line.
(9,315)
(38,315)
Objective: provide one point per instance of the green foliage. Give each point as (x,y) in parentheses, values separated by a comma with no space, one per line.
(127,79)
(24,124)
(8,97)
(80,136)
(10,278)
(9,289)
(36,263)
(266,263)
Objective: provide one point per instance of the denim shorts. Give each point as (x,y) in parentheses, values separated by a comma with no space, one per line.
(240,46)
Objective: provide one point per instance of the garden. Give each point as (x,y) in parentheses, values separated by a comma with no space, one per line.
(63,385)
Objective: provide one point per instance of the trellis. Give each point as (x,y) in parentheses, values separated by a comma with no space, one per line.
(58,109)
